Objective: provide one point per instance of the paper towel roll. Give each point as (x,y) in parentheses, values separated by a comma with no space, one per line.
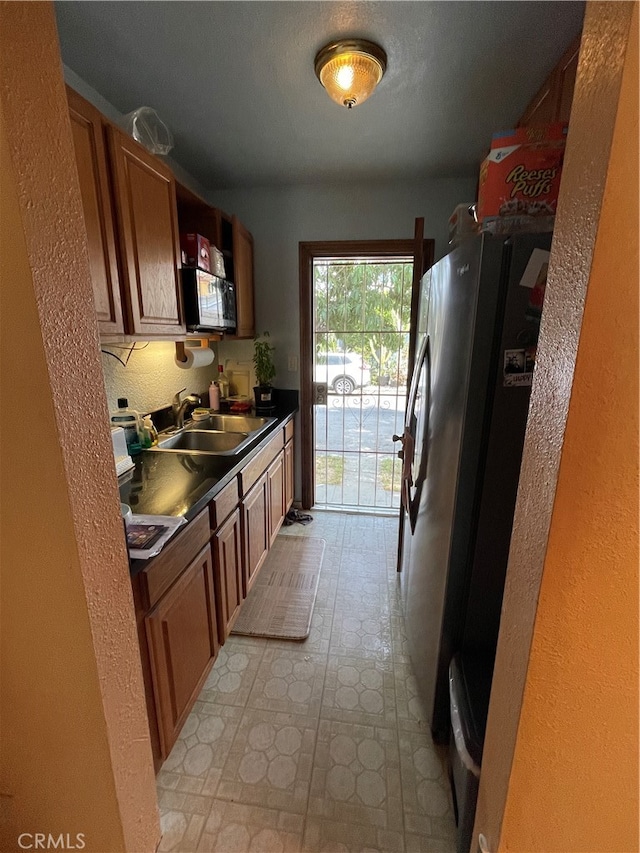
(195,357)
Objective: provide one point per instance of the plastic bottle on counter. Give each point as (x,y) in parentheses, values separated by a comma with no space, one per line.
(129,420)
(150,433)
(145,438)
(214,397)
(223,383)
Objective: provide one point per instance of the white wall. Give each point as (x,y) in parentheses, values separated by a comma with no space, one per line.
(151,376)
(280,218)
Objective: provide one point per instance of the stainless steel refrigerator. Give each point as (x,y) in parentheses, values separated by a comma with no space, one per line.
(478,320)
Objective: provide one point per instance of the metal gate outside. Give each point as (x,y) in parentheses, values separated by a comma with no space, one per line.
(362,310)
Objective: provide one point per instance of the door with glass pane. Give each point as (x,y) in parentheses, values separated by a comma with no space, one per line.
(361,324)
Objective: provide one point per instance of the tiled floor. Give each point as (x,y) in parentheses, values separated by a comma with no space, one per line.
(315,746)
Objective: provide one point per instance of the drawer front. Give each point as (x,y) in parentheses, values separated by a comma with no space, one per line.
(163,570)
(288,431)
(252,472)
(224,503)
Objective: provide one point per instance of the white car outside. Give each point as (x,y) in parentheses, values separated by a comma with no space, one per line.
(343,372)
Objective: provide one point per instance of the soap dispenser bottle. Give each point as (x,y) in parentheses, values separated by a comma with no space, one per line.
(150,434)
(129,420)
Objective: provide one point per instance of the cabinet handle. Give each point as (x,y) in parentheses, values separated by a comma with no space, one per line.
(483,844)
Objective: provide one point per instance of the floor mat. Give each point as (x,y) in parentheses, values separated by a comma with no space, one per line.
(281,601)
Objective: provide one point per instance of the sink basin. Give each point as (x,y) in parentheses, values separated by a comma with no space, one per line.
(205,441)
(218,435)
(231,423)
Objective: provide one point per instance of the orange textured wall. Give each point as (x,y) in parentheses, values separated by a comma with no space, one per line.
(593,118)
(574,781)
(75,755)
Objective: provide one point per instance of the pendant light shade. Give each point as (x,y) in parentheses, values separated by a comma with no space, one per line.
(350,70)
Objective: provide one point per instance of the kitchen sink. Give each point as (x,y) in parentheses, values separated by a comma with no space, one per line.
(218,435)
(205,441)
(231,423)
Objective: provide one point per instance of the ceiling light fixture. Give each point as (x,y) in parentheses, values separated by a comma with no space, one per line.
(350,70)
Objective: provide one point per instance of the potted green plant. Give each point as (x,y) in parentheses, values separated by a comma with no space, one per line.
(265,370)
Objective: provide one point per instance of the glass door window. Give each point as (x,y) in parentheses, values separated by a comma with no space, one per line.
(362,310)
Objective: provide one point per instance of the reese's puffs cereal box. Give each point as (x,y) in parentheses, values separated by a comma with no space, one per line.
(521,175)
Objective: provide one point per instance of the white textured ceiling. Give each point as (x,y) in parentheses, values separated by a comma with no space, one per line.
(235,82)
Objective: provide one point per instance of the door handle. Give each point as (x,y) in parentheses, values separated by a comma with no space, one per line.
(406,454)
(400,438)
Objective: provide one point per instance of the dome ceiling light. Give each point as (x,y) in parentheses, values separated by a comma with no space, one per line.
(350,69)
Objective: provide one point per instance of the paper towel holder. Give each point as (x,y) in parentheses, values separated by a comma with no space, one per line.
(197,343)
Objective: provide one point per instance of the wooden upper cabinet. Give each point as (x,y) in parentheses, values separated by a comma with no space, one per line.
(567,70)
(196,216)
(147,219)
(243,278)
(91,161)
(552,102)
(542,108)
(230,236)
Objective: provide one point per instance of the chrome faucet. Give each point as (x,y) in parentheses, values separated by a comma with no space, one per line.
(179,406)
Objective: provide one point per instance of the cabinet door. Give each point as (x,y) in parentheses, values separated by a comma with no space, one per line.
(255,530)
(146,213)
(243,278)
(183,642)
(567,70)
(275,477)
(288,476)
(227,573)
(91,160)
(542,108)
(552,102)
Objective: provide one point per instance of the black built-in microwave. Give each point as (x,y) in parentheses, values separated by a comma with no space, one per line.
(209,301)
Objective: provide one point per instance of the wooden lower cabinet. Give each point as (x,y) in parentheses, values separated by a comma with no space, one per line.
(255,530)
(227,573)
(183,615)
(182,635)
(276,480)
(288,476)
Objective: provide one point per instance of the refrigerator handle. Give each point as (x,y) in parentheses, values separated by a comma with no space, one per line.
(407,462)
(406,454)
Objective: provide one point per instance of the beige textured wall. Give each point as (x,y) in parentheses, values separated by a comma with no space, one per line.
(605,36)
(574,782)
(151,376)
(75,752)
